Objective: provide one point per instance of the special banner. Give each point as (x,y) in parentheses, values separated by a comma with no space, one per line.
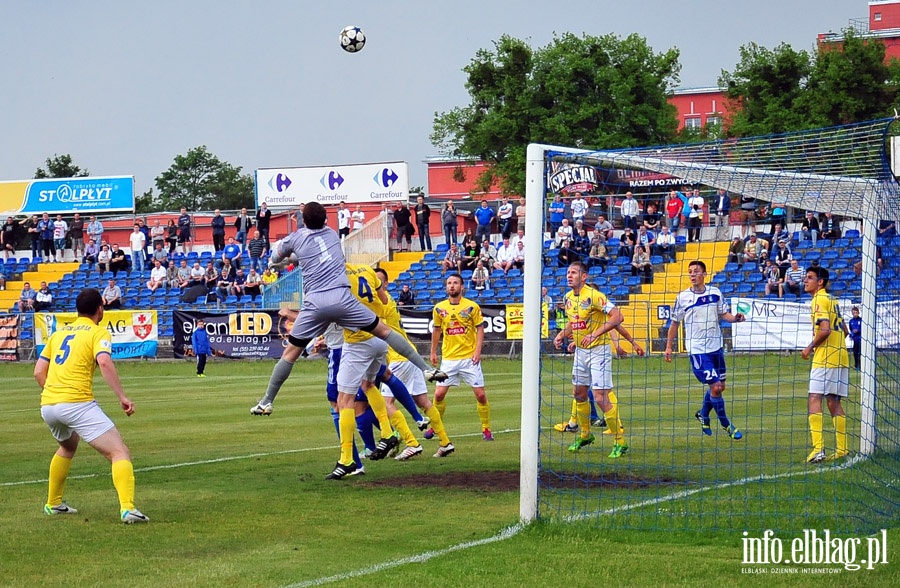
(134,333)
(9,337)
(235,335)
(89,195)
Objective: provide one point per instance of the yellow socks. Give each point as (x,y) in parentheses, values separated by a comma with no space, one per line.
(402,427)
(815,430)
(123,480)
(612,421)
(612,398)
(840,433)
(347,426)
(437,423)
(573,420)
(583,416)
(376,401)
(59,471)
(441,406)
(484,413)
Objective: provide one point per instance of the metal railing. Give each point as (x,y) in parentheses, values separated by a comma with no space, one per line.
(285,292)
(370,244)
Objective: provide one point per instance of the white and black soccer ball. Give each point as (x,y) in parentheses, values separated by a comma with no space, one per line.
(352,39)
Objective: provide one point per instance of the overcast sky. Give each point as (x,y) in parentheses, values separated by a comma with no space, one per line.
(126,86)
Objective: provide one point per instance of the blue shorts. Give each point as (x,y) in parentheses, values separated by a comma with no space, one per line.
(709,368)
(334,363)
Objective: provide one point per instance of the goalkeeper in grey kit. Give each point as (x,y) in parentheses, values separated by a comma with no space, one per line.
(326,299)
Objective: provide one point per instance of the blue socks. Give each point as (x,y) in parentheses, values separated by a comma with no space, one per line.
(364,424)
(707,406)
(336,417)
(718,403)
(401,393)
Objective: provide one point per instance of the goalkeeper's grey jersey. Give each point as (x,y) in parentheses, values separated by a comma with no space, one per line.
(319,257)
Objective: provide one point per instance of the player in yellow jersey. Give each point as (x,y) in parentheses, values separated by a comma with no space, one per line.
(414,380)
(65,373)
(361,358)
(461,324)
(591,317)
(830,372)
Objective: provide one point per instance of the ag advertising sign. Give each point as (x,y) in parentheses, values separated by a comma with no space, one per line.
(134,333)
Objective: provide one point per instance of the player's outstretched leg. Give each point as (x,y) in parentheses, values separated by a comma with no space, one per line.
(399,344)
(280,374)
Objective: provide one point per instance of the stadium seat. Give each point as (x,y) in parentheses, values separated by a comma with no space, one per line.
(441,249)
(611,270)
(844,242)
(749,266)
(852,234)
(840,264)
(620,292)
(680,240)
(803,244)
(846,275)
(788,297)
(656,259)
(414,267)
(760,289)
(744,288)
(615,281)
(720,278)
(732,267)
(727,288)
(830,254)
(632,281)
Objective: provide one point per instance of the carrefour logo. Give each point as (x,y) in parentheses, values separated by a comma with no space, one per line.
(332,180)
(386,177)
(279,182)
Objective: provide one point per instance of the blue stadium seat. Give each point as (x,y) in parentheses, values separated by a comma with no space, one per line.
(620,292)
(803,244)
(600,281)
(844,242)
(846,275)
(631,281)
(830,254)
(727,288)
(555,292)
(720,278)
(852,234)
(441,249)
(516,282)
(615,281)
(749,266)
(744,288)
(611,270)
(414,267)
(760,289)
(788,297)
(732,267)
(840,264)
(614,242)
(837,286)
(429,257)
(656,259)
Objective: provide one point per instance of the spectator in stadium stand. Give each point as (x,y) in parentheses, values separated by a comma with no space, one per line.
(674,205)
(603,227)
(232,253)
(484,216)
(157,235)
(809,229)
(599,253)
(171,235)
(269,277)
(546,298)
(747,214)
(722,215)
(782,257)
(469,255)
(76,233)
(630,211)
(557,212)
(520,213)
(184,275)
(45,227)
(43,299)
(210,276)
(253,283)
(779,233)
(218,230)
(406,296)
(504,217)
(243,225)
(772,276)
(344,217)
(137,240)
(8,236)
(172,275)
(778,217)
(90,252)
(627,241)
(226,279)
(423,222)
(506,257)
(695,216)
(256,247)
(651,219)
(142,223)
(263,221)
(754,249)
(237,287)
(403,218)
(184,230)
(793,280)
(112,296)
(159,255)
(34,235)
(357,219)
(887,229)
(736,250)
(198,275)
(641,266)
(565,256)
(488,254)
(26,298)
(481,277)
(855,326)
(519,236)
(95,230)
(646,239)
(831,227)
(579,207)
(519,259)
(582,244)
(118,262)
(103,257)
(665,244)
(157,277)
(470,234)
(451,259)
(879,263)
(565,233)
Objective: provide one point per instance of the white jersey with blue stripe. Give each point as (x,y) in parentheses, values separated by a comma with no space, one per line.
(700,314)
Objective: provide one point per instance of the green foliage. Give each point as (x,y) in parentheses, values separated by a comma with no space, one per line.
(592,92)
(146,202)
(199,180)
(60,166)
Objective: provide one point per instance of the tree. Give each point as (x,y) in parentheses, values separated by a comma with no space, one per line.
(60,166)
(199,180)
(593,92)
(146,202)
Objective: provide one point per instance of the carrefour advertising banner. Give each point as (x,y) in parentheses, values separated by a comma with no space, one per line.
(134,332)
(67,195)
(236,335)
(370,182)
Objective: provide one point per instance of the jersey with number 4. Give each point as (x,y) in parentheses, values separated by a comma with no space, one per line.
(319,257)
(72,353)
(364,285)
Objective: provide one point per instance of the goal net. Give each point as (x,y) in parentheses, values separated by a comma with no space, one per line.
(757,248)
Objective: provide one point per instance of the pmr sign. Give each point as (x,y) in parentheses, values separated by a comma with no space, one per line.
(91,195)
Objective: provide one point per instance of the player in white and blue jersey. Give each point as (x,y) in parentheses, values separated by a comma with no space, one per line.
(702,308)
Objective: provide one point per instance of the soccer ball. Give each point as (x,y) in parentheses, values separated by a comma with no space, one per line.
(352,39)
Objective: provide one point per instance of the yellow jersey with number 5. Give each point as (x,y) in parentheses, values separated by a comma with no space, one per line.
(832,353)
(364,284)
(72,354)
